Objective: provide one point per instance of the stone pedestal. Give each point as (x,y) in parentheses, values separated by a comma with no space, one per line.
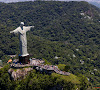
(24,59)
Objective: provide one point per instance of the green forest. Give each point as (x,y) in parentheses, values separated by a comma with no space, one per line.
(37,81)
(68,30)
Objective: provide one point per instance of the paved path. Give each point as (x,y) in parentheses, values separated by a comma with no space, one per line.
(42,66)
(53,68)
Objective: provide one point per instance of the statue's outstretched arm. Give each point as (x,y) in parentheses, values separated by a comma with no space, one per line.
(29,27)
(14,31)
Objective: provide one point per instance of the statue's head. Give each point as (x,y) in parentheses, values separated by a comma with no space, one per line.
(22,23)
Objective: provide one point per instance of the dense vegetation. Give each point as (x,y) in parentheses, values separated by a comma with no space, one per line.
(68,30)
(38,81)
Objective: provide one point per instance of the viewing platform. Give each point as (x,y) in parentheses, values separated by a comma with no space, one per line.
(39,66)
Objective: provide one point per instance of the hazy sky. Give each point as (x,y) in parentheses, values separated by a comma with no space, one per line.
(98,1)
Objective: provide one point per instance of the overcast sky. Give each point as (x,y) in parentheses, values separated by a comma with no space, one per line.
(98,1)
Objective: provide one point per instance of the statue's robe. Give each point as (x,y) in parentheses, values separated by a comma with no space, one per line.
(22,39)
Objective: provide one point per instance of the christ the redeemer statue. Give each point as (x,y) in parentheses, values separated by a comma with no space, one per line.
(21,30)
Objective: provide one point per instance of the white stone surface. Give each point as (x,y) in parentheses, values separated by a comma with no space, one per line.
(95,70)
(21,30)
(57,57)
(74,55)
(77,49)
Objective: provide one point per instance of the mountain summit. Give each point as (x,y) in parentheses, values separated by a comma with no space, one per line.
(67,30)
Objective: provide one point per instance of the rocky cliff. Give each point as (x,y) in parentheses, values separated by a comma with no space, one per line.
(18,74)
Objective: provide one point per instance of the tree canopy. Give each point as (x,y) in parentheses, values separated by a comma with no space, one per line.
(68,30)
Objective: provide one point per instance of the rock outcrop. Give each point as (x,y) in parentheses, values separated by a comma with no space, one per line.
(18,74)
(1,67)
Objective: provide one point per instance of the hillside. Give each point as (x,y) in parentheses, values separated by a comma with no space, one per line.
(68,30)
(37,81)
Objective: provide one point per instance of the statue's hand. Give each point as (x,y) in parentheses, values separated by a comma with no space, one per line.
(32,26)
(11,31)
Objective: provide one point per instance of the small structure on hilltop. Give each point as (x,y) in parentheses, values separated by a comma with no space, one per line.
(35,61)
(39,65)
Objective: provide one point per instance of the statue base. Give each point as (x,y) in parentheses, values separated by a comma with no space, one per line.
(24,59)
